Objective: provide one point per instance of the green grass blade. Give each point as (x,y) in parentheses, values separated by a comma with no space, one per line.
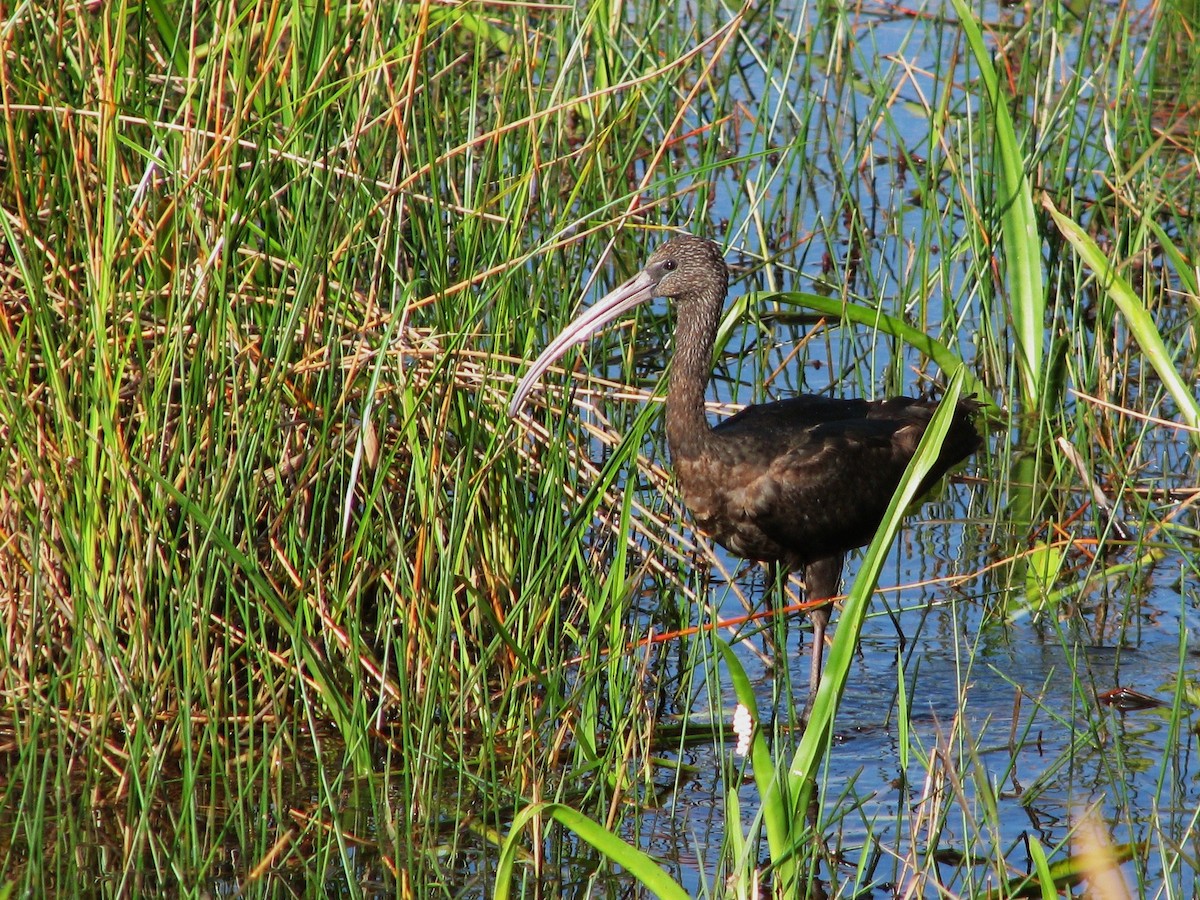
(849,624)
(1042,867)
(638,864)
(945,358)
(1140,323)
(1020,239)
(772,789)
(1188,274)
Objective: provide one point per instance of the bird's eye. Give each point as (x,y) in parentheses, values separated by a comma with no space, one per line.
(670,265)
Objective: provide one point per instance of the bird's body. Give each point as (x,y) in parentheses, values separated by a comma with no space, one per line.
(807,478)
(798,482)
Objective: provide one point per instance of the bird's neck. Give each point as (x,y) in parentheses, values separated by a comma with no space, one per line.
(688,431)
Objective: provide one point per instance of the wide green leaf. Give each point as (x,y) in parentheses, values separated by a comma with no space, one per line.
(1137,317)
(1020,239)
(638,864)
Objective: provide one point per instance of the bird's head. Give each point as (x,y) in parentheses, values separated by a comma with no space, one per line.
(685,269)
(685,266)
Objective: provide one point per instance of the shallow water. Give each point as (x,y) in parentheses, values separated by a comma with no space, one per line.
(1003,677)
(1024,731)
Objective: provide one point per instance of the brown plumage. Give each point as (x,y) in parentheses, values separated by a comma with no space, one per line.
(797,482)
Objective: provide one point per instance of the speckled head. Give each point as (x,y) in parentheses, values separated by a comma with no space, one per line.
(687,265)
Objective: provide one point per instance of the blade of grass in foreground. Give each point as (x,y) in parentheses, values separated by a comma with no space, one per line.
(946,359)
(638,864)
(1020,238)
(849,624)
(1141,325)
(782,842)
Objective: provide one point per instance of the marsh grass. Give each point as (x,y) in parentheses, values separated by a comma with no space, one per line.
(291,605)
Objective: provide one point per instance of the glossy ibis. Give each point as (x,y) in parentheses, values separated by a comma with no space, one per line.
(798,482)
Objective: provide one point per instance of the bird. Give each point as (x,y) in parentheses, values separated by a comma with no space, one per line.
(796,483)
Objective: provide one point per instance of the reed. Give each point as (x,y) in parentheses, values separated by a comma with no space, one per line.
(290,604)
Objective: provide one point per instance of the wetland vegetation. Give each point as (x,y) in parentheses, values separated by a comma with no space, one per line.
(292,606)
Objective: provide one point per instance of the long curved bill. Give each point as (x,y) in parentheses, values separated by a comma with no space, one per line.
(635,291)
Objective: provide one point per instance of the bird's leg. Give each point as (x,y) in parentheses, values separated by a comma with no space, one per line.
(821,580)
